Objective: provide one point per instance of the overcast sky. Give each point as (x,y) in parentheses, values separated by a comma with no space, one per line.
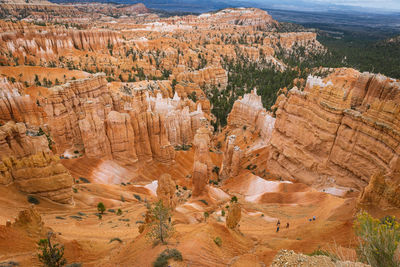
(389,5)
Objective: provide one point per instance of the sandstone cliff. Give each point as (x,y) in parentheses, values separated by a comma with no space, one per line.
(28,162)
(17,107)
(344,127)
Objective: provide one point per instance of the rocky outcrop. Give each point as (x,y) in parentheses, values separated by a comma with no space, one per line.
(383,191)
(286,258)
(212,76)
(248,111)
(344,127)
(17,107)
(28,162)
(241,16)
(202,166)
(231,159)
(166,191)
(234,215)
(85,115)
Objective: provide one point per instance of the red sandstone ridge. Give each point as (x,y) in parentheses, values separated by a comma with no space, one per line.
(241,16)
(341,129)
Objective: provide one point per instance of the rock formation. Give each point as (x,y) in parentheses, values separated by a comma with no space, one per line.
(382,191)
(166,191)
(231,159)
(344,127)
(234,215)
(202,166)
(85,114)
(248,111)
(28,162)
(17,107)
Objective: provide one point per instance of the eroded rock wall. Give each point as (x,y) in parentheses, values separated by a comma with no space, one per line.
(344,127)
(28,162)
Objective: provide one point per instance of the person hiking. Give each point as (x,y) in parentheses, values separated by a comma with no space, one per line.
(287,225)
(277,229)
(278,223)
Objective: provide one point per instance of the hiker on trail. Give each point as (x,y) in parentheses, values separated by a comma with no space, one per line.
(278,223)
(287,225)
(313,218)
(277,229)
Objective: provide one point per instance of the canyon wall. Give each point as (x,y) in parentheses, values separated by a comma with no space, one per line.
(17,107)
(344,127)
(28,162)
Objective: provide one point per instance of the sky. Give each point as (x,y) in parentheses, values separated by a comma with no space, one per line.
(388,5)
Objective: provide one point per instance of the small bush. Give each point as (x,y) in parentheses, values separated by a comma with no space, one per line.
(60,218)
(218,241)
(33,200)
(51,254)
(75,190)
(76,152)
(119,212)
(122,198)
(185,188)
(111,210)
(203,201)
(137,197)
(378,240)
(162,259)
(101,208)
(83,179)
(115,239)
(222,213)
(76,217)
(234,199)
(123,184)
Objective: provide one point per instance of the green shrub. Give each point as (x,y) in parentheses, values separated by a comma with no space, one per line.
(83,179)
(378,240)
(222,212)
(101,208)
(234,199)
(33,200)
(137,197)
(75,190)
(203,201)
(76,152)
(218,241)
(119,212)
(51,255)
(162,259)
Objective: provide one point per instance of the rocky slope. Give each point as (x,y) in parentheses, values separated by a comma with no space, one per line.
(342,128)
(28,162)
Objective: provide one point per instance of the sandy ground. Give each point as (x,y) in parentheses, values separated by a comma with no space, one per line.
(254,243)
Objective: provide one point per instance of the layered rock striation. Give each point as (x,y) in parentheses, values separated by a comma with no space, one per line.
(344,127)
(28,162)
